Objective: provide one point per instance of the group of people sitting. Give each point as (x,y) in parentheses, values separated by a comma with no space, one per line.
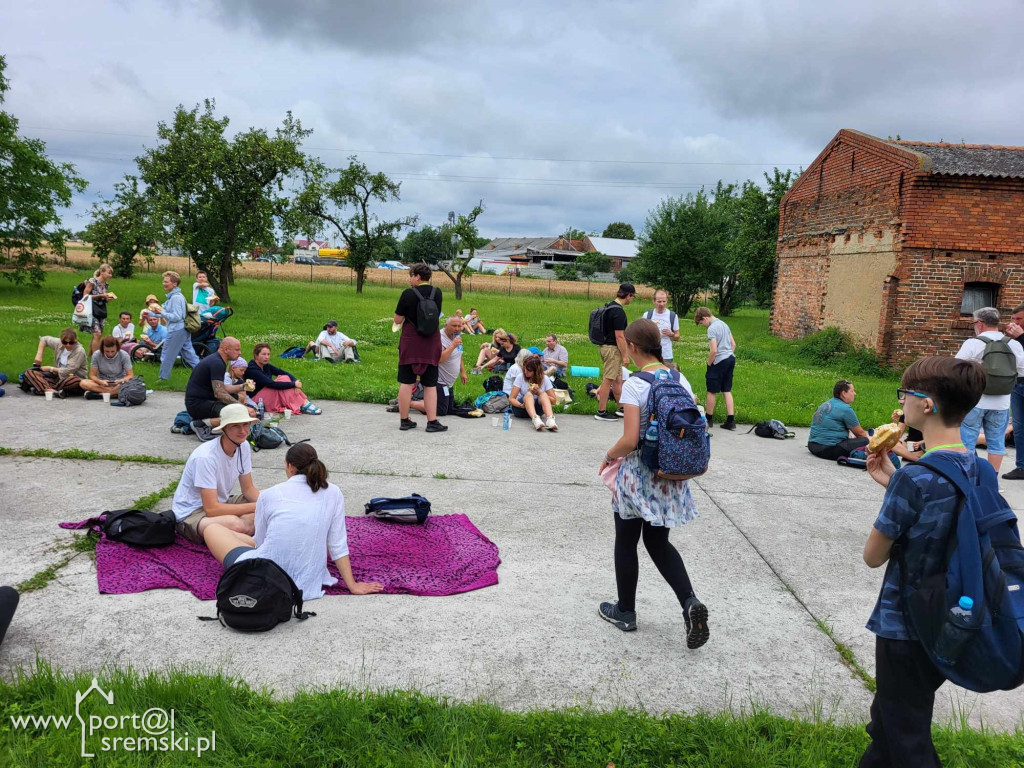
(500,354)
(73,373)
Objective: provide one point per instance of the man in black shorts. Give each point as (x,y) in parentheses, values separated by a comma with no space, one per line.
(418,353)
(206,394)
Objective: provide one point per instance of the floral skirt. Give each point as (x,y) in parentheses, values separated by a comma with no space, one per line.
(638,493)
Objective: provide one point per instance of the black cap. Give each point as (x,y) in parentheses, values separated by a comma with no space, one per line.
(330,323)
(627,288)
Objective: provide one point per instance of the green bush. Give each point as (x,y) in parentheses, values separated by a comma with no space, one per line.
(826,345)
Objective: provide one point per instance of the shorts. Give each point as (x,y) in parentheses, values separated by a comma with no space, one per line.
(96,327)
(189,527)
(611,362)
(407,374)
(233,555)
(204,409)
(719,376)
(993,422)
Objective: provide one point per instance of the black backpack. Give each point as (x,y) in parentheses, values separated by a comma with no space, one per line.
(408,509)
(494,384)
(595,330)
(140,527)
(268,436)
(772,428)
(77,293)
(256,595)
(427,313)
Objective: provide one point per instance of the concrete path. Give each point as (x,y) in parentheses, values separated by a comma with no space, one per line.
(775,552)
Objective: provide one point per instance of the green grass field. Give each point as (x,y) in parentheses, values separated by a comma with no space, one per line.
(772,379)
(254,728)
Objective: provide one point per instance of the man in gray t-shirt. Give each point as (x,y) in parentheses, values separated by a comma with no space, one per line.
(109,368)
(721,362)
(449,368)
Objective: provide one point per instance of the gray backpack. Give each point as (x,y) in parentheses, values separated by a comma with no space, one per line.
(497,404)
(132,392)
(1000,365)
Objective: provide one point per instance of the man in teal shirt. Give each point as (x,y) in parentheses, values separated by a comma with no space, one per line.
(833,424)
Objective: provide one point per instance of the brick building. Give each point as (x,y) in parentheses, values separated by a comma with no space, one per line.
(897,242)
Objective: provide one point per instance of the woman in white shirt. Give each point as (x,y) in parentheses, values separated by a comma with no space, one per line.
(530,394)
(645,505)
(297,521)
(514,371)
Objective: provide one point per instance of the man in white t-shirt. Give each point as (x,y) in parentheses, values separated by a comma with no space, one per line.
(334,346)
(668,324)
(203,497)
(992,413)
(124,330)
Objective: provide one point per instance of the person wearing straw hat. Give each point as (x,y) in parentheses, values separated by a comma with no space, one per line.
(203,497)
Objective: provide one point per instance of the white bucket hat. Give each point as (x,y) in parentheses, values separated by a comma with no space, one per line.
(236,413)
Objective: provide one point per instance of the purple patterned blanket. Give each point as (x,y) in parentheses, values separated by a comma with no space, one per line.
(445,556)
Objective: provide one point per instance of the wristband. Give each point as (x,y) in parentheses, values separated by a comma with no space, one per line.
(608,458)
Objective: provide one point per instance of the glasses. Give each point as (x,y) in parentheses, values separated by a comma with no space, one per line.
(68,343)
(901,394)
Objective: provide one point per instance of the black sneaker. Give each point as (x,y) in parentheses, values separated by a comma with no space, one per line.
(730,424)
(695,616)
(624,620)
(435,426)
(620,414)
(93,396)
(606,416)
(392,408)
(203,430)
(1014,474)
(407,424)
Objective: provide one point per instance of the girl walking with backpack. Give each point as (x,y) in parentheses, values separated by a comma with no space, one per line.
(644,505)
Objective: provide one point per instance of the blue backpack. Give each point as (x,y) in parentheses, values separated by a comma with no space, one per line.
(985,561)
(679,446)
(296,353)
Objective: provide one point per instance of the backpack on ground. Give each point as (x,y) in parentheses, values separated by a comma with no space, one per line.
(983,560)
(682,447)
(268,436)
(494,384)
(293,353)
(140,527)
(492,402)
(256,595)
(649,314)
(408,509)
(427,313)
(772,428)
(193,320)
(1000,365)
(182,423)
(132,392)
(77,293)
(595,329)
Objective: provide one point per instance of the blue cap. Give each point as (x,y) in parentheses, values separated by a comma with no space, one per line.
(534,350)
(966,603)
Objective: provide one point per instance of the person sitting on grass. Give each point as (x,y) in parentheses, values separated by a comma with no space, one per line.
(489,349)
(920,511)
(504,356)
(450,368)
(334,346)
(514,371)
(835,428)
(474,325)
(555,357)
(69,366)
(296,522)
(111,367)
(203,497)
(530,395)
(124,331)
(278,389)
(205,394)
(154,334)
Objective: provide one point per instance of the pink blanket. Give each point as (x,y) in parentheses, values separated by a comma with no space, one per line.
(445,556)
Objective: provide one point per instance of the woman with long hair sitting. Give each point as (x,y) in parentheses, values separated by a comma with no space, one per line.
(275,386)
(644,505)
(297,522)
(489,349)
(530,395)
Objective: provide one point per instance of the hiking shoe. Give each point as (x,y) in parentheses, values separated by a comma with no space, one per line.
(393,408)
(476,371)
(620,414)
(730,424)
(393,402)
(550,424)
(93,396)
(1014,474)
(435,426)
(605,416)
(203,430)
(695,616)
(537,423)
(407,424)
(624,620)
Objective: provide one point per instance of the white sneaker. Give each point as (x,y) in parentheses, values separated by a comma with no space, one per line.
(550,424)
(537,423)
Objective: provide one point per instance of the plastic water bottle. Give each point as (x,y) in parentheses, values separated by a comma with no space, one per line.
(649,447)
(507,423)
(260,409)
(956,632)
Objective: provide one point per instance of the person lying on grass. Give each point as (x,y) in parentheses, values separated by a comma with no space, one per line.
(297,521)
(110,368)
(275,386)
(531,395)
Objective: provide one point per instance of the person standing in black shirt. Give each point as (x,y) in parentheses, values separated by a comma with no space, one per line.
(418,355)
(614,354)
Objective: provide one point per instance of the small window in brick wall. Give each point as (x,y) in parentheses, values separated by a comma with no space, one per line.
(978,295)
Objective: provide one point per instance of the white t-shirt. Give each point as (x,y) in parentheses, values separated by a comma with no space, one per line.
(973,349)
(336,339)
(523,386)
(666,320)
(636,392)
(62,358)
(123,333)
(296,528)
(210,467)
(513,373)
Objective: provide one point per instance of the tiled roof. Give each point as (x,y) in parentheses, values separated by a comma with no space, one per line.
(516,244)
(971,159)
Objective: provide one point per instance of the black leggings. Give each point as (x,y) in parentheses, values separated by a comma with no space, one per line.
(833,452)
(664,555)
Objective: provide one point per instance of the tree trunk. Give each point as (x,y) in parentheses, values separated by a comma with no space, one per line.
(360,275)
(458,288)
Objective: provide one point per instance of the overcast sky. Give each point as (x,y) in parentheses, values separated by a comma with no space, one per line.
(554,113)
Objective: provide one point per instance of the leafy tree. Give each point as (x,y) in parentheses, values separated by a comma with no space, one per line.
(344,198)
(567,271)
(679,248)
(724,225)
(589,264)
(481,242)
(32,188)
(427,244)
(758,233)
(215,197)
(123,228)
(627,274)
(452,246)
(620,230)
(573,234)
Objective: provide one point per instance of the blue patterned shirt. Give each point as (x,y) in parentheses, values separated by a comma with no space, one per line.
(919,505)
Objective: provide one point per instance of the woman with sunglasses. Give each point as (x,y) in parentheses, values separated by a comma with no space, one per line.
(69,367)
(489,349)
(835,428)
(504,356)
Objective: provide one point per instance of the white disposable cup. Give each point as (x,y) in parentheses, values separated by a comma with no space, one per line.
(106,397)
(495,421)
(48,394)
(287,413)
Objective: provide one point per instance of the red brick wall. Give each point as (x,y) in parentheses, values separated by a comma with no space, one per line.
(965,214)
